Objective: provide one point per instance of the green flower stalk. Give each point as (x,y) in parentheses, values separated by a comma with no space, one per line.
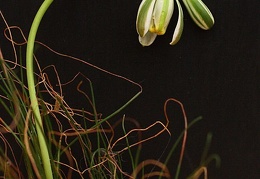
(32,92)
(153,18)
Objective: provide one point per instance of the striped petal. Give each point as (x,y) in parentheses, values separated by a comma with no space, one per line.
(144,16)
(162,14)
(179,27)
(200,13)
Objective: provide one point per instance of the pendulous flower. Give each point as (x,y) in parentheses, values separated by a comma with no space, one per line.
(153,18)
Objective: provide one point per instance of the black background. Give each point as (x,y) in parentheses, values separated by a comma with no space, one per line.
(214,73)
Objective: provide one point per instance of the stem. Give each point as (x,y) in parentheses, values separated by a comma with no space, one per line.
(32,92)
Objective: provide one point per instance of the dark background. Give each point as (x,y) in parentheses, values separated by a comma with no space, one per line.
(214,73)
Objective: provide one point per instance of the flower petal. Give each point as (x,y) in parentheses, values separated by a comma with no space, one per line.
(162,14)
(148,39)
(144,16)
(200,13)
(179,27)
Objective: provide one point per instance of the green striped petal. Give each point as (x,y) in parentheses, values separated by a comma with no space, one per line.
(162,14)
(179,27)
(200,13)
(144,16)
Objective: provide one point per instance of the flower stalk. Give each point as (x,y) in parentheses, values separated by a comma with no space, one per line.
(32,92)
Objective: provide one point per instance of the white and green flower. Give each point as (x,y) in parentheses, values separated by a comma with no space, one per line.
(153,18)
